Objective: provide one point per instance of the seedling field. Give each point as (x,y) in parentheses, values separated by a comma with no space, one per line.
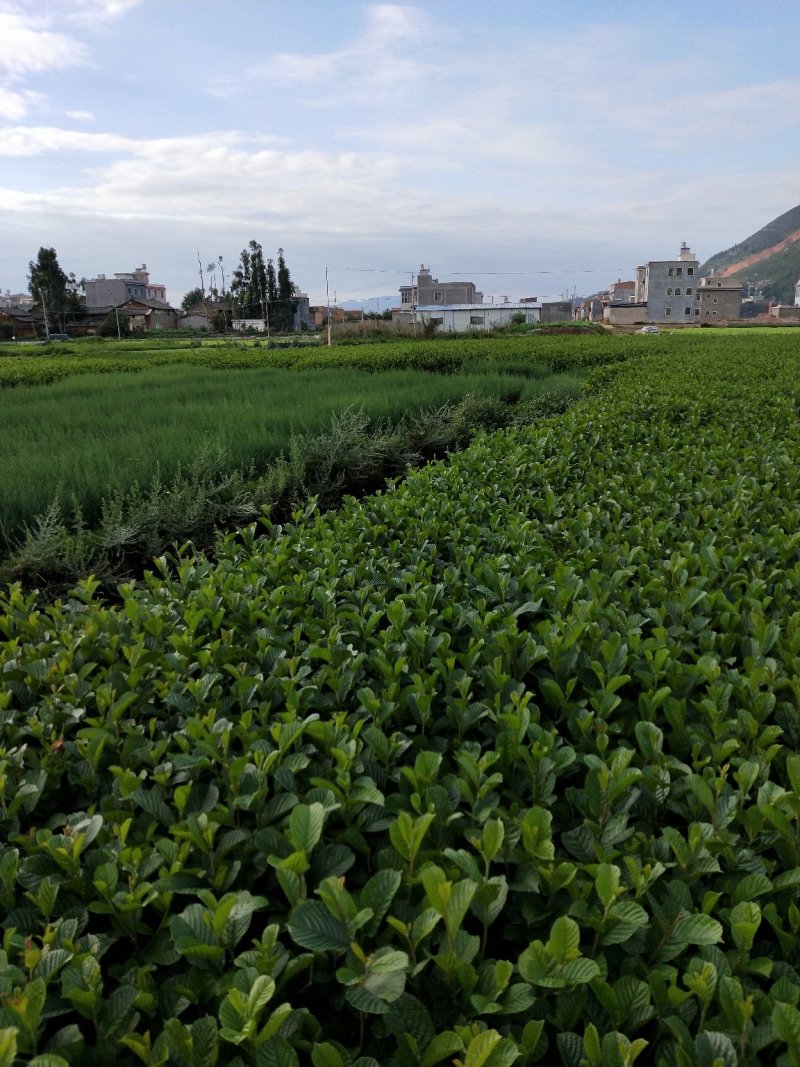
(497,766)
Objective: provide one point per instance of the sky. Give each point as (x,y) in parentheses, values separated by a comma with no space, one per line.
(535,147)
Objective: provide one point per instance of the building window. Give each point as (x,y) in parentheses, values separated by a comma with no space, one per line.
(687,311)
(697,311)
(677,292)
(688,290)
(671,272)
(669,292)
(715,300)
(667,311)
(690,270)
(437,296)
(476,320)
(679,271)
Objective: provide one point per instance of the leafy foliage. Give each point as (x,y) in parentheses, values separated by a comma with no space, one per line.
(496,767)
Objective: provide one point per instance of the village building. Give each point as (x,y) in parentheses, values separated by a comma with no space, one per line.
(427,291)
(461,318)
(718,298)
(668,287)
(124,286)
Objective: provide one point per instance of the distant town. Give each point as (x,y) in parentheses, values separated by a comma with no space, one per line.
(662,293)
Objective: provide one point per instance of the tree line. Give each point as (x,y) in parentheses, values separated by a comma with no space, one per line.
(259,289)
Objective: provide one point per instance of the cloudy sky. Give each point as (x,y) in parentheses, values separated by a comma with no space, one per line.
(531,145)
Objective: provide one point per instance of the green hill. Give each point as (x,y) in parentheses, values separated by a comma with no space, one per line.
(768,259)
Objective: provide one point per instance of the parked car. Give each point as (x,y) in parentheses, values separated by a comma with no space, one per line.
(649,329)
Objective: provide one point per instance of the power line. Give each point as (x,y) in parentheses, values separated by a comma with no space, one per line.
(489,273)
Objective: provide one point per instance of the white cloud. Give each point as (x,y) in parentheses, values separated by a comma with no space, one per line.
(15,106)
(29,46)
(35,40)
(390,56)
(80,116)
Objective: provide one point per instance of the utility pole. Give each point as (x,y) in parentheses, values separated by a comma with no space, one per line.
(44,312)
(224,315)
(202,286)
(119,332)
(328,299)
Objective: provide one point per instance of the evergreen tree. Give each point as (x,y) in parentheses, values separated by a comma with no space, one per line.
(286,304)
(261,292)
(53,291)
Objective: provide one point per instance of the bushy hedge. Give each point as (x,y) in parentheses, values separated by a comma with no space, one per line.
(497,767)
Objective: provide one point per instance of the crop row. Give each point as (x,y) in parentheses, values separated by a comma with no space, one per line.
(448,356)
(496,767)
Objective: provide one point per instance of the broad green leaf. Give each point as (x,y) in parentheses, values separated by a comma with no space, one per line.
(313,927)
(580,971)
(8,1046)
(745,920)
(305,825)
(564,938)
(697,930)
(786,1024)
(606,883)
(442,1047)
(327,1055)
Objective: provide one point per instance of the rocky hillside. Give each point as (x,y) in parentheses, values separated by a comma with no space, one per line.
(768,259)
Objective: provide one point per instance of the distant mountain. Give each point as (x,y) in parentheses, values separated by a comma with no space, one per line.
(768,260)
(372,303)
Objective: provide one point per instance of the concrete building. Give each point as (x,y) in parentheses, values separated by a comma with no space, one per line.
(429,290)
(669,287)
(15,300)
(797,293)
(554,310)
(625,314)
(718,298)
(135,285)
(620,292)
(591,308)
(461,318)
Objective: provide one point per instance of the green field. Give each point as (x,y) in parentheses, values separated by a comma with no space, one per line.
(497,766)
(109,452)
(89,436)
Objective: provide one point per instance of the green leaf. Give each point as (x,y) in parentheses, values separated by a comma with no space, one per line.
(606,883)
(8,1046)
(377,895)
(786,1024)
(305,825)
(697,930)
(326,1055)
(313,927)
(443,1046)
(580,971)
(745,920)
(489,1049)
(565,936)
(591,1046)
(715,1049)
(623,920)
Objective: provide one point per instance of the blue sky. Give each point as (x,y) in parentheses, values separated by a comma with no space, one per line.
(532,146)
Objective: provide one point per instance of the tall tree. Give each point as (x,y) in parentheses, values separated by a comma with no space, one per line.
(286,304)
(261,292)
(55,292)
